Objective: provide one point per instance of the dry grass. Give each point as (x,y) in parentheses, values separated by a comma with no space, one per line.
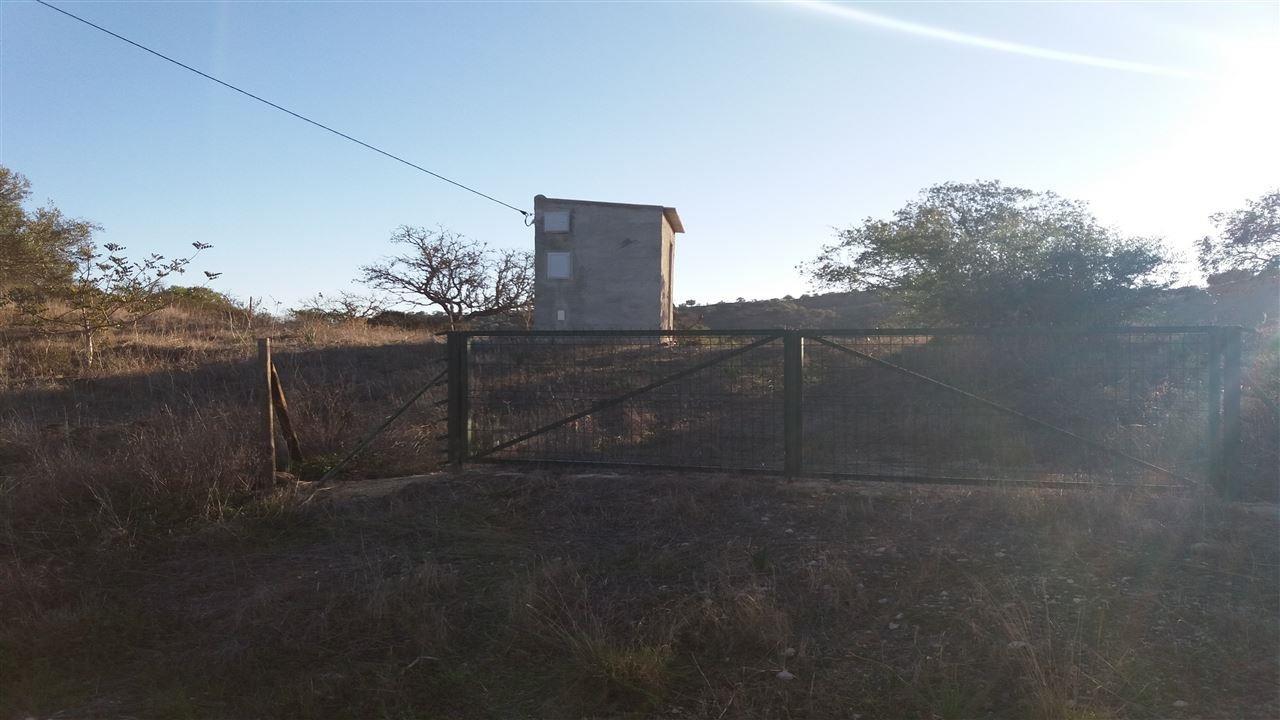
(142,574)
(501,595)
(161,435)
(174,340)
(507,594)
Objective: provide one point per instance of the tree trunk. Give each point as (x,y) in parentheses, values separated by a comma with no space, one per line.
(86,331)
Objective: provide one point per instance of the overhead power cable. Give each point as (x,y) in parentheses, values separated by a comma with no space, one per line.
(299,116)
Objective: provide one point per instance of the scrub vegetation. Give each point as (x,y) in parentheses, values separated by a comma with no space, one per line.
(147,570)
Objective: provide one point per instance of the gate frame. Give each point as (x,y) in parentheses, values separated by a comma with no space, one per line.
(1223,386)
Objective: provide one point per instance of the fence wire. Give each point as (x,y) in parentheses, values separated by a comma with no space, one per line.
(728,415)
(1142,395)
(1121,405)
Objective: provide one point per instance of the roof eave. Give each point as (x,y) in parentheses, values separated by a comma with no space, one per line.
(673,218)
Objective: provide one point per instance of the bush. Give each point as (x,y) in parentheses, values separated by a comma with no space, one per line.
(200,299)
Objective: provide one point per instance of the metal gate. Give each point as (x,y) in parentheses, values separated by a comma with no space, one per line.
(1139,405)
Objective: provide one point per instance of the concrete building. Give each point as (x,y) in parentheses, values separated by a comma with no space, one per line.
(603,265)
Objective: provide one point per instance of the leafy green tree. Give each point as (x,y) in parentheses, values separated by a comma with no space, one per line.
(36,246)
(1248,239)
(984,254)
(56,279)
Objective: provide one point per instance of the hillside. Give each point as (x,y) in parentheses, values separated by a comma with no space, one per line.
(827,310)
(1227,300)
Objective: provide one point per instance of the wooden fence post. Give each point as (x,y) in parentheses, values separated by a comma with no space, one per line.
(286,423)
(268,414)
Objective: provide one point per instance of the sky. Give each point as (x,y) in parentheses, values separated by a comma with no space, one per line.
(769,126)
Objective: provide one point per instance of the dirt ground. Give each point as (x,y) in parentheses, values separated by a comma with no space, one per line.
(500,592)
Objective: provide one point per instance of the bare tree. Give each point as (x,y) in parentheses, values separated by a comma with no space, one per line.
(105,291)
(343,306)
(464,278)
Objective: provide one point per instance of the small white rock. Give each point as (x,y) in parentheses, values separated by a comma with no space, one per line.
(1180,703)
(1018,645)
(784,675)
(894,626)
(884,601)
(789,652)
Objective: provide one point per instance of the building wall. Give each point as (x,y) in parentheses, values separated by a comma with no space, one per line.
(618,265)
(668,311)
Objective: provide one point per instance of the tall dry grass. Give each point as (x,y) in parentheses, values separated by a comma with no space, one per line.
(164,429)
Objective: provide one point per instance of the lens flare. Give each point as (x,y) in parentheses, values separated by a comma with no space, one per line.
(960,38)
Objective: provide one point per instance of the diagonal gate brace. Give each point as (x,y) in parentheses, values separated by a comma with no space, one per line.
(1006,410)
(619,399)
(375,432)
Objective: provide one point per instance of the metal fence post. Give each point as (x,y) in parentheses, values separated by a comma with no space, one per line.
(1213,445)
(793,402)
(459,366)
(1230,459)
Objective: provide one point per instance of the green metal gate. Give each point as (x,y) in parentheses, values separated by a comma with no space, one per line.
(1138,405)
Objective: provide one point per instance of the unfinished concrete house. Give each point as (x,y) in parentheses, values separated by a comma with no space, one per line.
(603,265)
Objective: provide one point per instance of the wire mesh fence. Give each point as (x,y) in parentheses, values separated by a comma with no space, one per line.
(1121,405)
(727,414)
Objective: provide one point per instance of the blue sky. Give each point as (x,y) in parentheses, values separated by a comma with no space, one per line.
(766,125)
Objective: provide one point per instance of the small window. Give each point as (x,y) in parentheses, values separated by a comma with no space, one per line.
(560,315)
(555,221)
(557,265)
